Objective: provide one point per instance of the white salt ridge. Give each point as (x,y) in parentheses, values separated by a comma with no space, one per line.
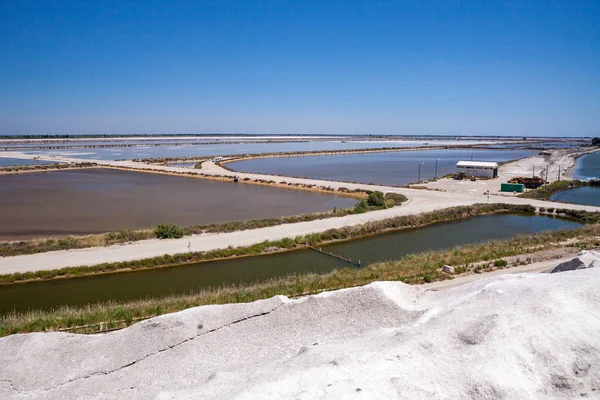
(525,336)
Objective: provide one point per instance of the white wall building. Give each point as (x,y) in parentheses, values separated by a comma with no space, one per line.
(478,168)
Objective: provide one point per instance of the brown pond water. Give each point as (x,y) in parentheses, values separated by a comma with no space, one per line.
(101,200)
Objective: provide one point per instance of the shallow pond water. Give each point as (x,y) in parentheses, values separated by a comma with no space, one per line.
(13,162)
(101,200)
(588,166)
(212,149)
(391,168)
(588,195)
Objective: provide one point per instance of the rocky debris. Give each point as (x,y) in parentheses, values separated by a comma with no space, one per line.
(448,269)
(521,336)
(585,259)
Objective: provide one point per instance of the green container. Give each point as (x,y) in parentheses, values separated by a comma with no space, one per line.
(512,187)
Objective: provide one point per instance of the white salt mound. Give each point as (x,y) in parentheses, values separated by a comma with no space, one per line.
(527,336)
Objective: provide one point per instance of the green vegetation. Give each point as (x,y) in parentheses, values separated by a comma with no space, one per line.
(376,199)
(596,141)
(587,217)
(169,231)
(47,167)
(500,263)
(361,207)
(413,268)
(331,235)
(545,192)
(394,199)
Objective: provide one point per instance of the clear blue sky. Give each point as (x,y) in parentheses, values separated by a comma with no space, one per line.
(401,67)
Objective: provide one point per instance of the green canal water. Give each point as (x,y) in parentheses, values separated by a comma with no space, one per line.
(191,277)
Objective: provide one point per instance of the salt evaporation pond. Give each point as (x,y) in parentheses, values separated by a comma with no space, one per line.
(15,162)
(588,195)
(101,200)
(388,168)
(588,167)
(127,153)
(191,277)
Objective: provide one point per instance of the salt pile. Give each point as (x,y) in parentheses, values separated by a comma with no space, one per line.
(525,336)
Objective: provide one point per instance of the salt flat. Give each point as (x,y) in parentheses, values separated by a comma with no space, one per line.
(521,336)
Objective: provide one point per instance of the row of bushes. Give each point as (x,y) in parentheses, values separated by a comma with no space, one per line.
(588,217)
(377,201)
(45,167)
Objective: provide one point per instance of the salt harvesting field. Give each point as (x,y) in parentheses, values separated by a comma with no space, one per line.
(102,200)
(389,168)
(211,149)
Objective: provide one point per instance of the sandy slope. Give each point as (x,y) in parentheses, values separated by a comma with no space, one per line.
(524,336)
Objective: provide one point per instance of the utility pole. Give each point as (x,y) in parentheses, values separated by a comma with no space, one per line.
(533,176)
(547,168)
(436,162)
(419,180)
(559,173)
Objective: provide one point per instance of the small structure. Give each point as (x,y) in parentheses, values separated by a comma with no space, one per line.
(512,187)
(478,169)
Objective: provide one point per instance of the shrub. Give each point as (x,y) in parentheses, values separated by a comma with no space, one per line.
(376,199)
(542,209)
(550,210)
(500,263)
(394,199)
(168,231)
(361,207)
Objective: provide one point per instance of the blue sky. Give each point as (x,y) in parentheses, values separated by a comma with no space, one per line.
(401,67)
